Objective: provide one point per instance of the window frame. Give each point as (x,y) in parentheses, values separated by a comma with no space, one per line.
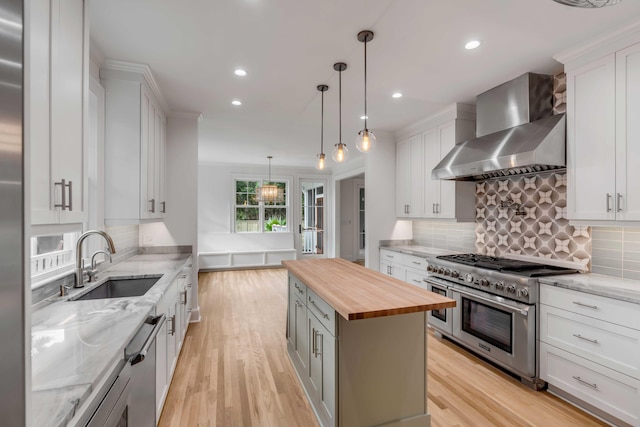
(261,180)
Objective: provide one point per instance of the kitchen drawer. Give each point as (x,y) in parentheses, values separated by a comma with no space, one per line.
(413,261)
(608,390)
(297,289)
(605,343)
(603,308)
(391,256)
(323,311)
(416,278)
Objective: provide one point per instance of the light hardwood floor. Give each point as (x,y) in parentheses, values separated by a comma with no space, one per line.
(234,369)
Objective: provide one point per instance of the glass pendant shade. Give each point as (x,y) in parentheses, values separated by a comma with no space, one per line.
(365,141)
(320,161)
(340,153)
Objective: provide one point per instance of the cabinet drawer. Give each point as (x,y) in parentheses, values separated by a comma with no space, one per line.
(391,256)
(413,261)
(323,311)
(605,343)
(297,289)
(603,308)
(416,278)
(610,391)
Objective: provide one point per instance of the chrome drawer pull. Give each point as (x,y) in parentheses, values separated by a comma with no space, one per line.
(608,202)
(299,290)
(619,202)
(417,281)
(586,339)
(595,307)
(416,262)
(581,381)
(325,315)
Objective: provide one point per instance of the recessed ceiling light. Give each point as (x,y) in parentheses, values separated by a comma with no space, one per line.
(236,102)
(240,72)
(397,95)
(472,44)
(364,117)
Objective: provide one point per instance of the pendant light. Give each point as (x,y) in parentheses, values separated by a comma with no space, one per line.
(340,152)
(320,162)
(366,139)
(269,193)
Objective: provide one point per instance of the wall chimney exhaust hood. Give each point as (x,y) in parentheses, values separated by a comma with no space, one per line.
(516,131)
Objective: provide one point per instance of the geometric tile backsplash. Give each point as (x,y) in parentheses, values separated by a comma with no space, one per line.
(527,215)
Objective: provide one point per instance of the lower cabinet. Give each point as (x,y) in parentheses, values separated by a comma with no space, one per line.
(359,372)
(590,351)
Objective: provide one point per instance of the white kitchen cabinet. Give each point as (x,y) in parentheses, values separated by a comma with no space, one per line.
(419,196)
(135,143)
(57,87)
(184,300)
(166,351)
(603,154)
(590,350)
(162,383)
(409,177)
(322,369)
(394,270)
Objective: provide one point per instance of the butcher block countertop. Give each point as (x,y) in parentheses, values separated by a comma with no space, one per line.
(356,292)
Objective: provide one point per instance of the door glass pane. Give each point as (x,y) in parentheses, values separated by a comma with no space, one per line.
(312,217)
(487,323)
(361,222)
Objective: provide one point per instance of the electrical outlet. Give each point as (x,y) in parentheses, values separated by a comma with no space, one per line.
(147,239)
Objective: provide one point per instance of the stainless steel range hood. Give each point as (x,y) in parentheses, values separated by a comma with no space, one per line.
(516,130)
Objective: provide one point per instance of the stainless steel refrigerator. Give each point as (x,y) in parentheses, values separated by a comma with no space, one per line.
(13,315)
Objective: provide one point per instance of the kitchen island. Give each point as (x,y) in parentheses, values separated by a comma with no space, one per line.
(358,342)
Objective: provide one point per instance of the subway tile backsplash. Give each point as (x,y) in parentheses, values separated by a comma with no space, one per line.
(454,236)
(616,252)
(125,238)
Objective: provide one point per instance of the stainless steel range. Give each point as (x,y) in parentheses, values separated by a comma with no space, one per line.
(495,314)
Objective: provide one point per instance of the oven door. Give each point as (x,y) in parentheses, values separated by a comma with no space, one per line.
(498,329)
(441,320)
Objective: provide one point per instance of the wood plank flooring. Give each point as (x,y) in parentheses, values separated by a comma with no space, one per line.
(234,369)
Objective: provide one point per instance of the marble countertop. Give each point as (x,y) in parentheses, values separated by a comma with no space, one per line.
(76,344)
(421,251)
(597,284)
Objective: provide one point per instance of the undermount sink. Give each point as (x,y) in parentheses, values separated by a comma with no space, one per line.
(119,288)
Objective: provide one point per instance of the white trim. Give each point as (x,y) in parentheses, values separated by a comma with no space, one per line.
(141,69)
(195,315)
(456,111)
(185,115)
(594,49)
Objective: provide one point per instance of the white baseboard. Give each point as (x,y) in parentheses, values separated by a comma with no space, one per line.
(195,315)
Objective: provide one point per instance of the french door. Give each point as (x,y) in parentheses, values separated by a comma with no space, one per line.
(312,236)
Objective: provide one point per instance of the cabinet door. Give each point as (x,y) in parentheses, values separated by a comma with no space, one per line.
(161,368)
(67,94)
(322,368)
(300,339)
(416,184)
(385,268)
(431,186)
(446,207)
(172,339)
(147,155)
(403,178)
(628,134)
(591,161)
(162,166)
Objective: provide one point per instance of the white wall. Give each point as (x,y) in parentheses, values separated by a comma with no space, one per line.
(380,196)
(349,213)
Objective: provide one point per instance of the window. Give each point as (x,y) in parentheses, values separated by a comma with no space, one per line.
(52,254)
(254,217)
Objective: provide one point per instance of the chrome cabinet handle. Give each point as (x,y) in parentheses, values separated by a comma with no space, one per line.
(608,202)
(172,319)
(581,381)
(63,195)
(595,307)
(619,202)
(390,256)
(325,315)
(313,342)
(416,262)
(585,339)
(158,322)
(163,209)
(416,281)
(318,351)
(437,207)
(153,205)
(298,288)
(183,297)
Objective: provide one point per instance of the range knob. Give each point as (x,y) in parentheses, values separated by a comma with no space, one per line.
(522,293)
(447,272)
(455,274)
(441,270)
(430,268)
(484,282)
(468,278)
(499,286)
(511,289)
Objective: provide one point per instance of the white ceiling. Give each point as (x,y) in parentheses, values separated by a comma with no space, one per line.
(288,47)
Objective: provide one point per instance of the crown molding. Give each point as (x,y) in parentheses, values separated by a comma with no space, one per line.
(454,111)
(186,115)
(141,69)
(601,46)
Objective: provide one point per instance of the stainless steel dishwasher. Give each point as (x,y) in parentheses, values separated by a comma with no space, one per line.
(141,355)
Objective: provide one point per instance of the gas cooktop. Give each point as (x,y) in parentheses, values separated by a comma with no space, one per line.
(506,265)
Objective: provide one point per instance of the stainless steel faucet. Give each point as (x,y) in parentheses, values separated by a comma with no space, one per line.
(80,269)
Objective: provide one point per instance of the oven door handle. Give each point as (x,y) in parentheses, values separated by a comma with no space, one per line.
(522,311)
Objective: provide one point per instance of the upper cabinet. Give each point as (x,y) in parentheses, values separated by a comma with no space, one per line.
(135,141)
(603,138)
(417,194)
(56,81)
